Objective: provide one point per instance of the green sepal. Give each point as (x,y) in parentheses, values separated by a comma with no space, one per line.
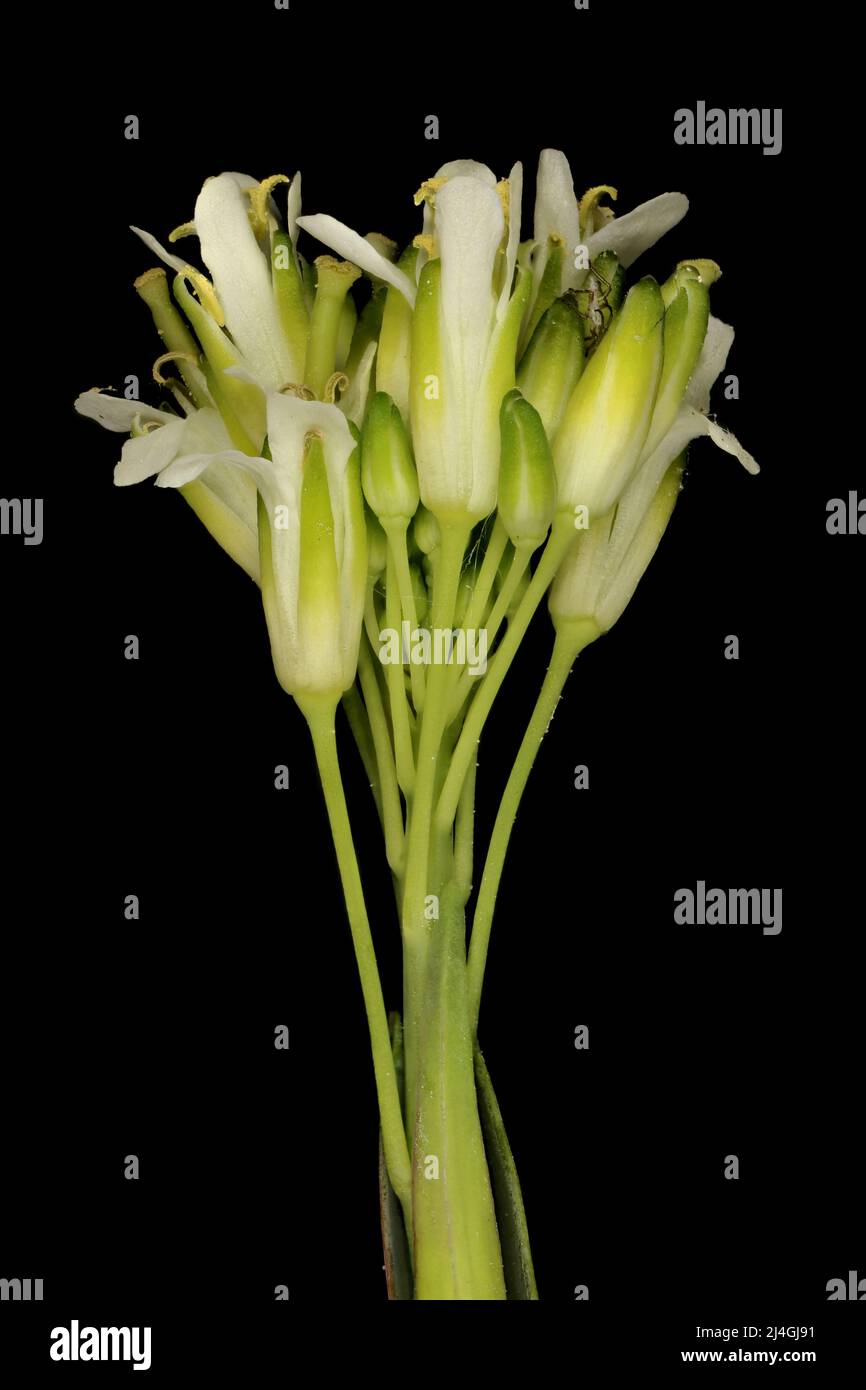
(507,1196)
(398,1262)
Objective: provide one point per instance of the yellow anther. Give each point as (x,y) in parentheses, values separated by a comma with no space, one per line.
(185,229)
(169,357)
(503,188)
(259,202)
(428,190)
(426,243)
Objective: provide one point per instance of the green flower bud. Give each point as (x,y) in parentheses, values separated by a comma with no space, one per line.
(685,327)
(527,483)
(377,546)
(388,474)
(289,294)
(607,419)
(392,358)
(426,531)
(553,361)
(605,564)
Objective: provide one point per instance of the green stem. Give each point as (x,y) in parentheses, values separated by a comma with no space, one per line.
(397,688)
(319,713)
(457,1250)
(392,815)
(417,889)
(571,638)
(354,708)
(558,543)
(516,570)
(395,530)
(464,831)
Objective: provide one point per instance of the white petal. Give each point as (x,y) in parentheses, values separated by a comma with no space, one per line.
(354,248)
(242,280)
(148,454)
(354,403)
(515,195)
(467,168)
(187,467)
(176,262)
(631,235)
(713,356)
(469,226)
(114,413)
(293,209)
(556,214)
(205,439)
(731,445)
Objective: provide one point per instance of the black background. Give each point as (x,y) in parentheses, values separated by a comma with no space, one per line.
(156,777)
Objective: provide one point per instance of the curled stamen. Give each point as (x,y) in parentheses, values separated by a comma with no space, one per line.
(590,210)
(170,357)
(293,388)
(337,382)
(205,292)
(185,229)
(259,202)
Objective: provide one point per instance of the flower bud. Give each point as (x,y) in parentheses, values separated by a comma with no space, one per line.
(527,484)
(606,421)
(392,359)
(388,474)
(554,359)
(313,545)
(426,531)
(377,546)
(605,564)
(685,327)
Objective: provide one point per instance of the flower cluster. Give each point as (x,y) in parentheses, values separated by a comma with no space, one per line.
(491,373)
(422,445)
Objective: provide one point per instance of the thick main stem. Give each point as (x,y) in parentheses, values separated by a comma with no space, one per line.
(415,921)
(457,1255)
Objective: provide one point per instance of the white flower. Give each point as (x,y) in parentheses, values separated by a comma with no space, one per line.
(312,537)
(222,497)
(463,331)
(605,564)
